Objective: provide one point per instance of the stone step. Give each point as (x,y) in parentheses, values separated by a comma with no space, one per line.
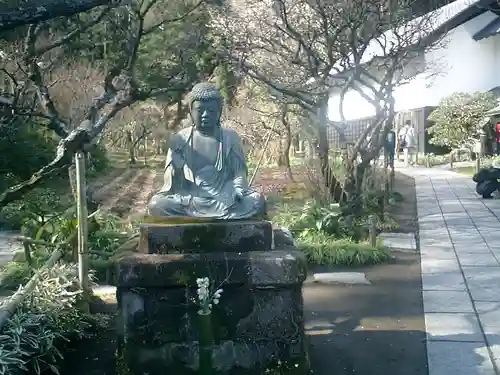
(399,241)
(7,247)
(206,237)
(254,268)
(341,278)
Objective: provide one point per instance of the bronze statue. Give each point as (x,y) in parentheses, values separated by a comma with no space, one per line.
(205,171)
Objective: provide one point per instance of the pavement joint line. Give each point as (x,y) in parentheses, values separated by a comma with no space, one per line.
(454,341)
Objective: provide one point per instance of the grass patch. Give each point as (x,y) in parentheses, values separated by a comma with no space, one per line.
(323,249)
(467,171)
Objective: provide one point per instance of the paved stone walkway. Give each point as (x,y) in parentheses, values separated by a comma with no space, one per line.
(459,236)
(6,248)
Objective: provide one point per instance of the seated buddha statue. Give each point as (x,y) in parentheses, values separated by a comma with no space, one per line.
(205,171)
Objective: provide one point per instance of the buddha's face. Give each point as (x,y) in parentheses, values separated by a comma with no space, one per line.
(206,113)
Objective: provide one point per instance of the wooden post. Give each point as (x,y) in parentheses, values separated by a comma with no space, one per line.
(387,185)
(482,146)
(481,153)
(391,180)
(82,215)
(373,231)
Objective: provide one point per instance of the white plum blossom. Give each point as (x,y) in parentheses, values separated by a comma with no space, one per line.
(206,299)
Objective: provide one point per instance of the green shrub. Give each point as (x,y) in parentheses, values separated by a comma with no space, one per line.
(432,160)
(106,234)
(327,237)
(14,274)
(26,147)
(98,161)
(38,207)
(458,119)
(328,220)
(327,250)
(33,340)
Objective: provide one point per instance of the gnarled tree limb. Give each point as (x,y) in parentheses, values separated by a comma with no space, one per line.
(65,150)
(31,11)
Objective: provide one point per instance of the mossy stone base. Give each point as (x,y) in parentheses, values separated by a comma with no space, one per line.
(258,321)
(206,237)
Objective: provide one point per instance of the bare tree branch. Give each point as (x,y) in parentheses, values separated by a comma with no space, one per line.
(70,36)
(119,89)
(65,151)
(33,11)
(183,16)
(56,124)
(312,51)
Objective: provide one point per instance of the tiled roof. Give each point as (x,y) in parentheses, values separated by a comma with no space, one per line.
(493,28)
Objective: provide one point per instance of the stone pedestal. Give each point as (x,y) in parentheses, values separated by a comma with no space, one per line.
(258,323)
(206,237)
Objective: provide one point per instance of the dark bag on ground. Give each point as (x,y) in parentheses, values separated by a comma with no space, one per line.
(486,188)
(486,174)
(487,181)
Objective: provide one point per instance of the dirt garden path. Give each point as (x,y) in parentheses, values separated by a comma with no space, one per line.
(374,326)
(126,191)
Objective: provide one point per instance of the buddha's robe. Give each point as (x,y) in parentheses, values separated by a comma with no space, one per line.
(197,185)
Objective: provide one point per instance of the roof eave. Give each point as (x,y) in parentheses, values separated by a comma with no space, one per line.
(455,21)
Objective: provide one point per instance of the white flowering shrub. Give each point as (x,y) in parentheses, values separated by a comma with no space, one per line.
(206,299)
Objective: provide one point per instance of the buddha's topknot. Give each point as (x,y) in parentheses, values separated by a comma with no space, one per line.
(204,91)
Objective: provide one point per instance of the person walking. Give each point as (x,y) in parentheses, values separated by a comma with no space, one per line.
(390,149)
(497,138)
(406,142)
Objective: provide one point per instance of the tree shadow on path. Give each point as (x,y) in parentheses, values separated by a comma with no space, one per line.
(375,329)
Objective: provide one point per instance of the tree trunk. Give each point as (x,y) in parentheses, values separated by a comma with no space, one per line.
(353,188)
(180,113)
(159,147)
(280,162)
(322,148)
(131,147)
(72,179)
(332,183)
(286,154)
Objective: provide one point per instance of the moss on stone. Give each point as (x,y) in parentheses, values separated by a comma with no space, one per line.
(122,367)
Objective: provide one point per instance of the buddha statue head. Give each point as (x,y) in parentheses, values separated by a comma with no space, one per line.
(205,106)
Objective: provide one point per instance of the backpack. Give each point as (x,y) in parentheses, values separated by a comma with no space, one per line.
(402,139)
